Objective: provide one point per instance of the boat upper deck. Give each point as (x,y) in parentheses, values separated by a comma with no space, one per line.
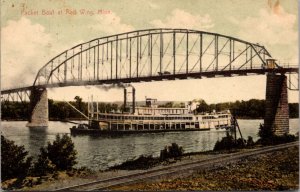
(160,111)
(161,117)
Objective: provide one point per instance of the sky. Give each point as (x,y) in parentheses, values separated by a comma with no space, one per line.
(34,31)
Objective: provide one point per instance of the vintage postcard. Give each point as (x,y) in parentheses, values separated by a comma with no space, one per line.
(149,95)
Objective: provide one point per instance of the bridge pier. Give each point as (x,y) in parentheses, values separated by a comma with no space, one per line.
(38,108)
(277,108)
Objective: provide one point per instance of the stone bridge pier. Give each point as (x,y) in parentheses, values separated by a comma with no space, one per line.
(38,108)
(277,108)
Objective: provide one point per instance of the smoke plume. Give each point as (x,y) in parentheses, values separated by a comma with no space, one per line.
(114,86)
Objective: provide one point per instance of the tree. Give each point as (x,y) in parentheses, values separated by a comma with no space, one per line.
(294,110)
(169,104)
(14,110)
(226,143)
(14,163)
(114,107)
(102,107)
(78,101)
(44,165)
(202,106)
(265,133)
(267,137)
(172,151)
(62,152)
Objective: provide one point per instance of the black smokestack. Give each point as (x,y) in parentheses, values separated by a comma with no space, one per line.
(133,100)
(125,100)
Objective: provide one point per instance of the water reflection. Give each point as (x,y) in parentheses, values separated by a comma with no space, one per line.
(37,138)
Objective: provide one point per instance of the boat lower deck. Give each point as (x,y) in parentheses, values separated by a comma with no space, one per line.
(119,127)
(154,125)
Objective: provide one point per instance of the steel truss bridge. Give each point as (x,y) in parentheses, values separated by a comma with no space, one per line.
(153,55)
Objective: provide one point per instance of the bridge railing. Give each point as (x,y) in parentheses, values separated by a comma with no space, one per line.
(15,88)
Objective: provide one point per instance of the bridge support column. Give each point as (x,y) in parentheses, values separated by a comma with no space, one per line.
(38,108)
(277,108)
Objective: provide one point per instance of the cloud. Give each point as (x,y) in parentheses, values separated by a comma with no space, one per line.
(111,24)
(182,19)
(276,8)
(152,5)
(274,28)
(25,47)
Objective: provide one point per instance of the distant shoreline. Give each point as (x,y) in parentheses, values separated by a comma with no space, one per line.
(83,119)
(50,119)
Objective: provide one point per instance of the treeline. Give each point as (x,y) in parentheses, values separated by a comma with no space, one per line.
(252,109)
(14,110)
(59,110)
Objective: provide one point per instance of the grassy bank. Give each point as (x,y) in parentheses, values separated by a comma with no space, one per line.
(272,171)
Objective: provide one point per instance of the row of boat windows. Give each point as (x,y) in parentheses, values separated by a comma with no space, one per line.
(162,111)
(223,116)
(212,117)
(145,117)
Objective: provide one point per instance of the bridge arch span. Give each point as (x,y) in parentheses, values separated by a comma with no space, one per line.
(152,54)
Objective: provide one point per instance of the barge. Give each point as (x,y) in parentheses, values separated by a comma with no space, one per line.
(152,119)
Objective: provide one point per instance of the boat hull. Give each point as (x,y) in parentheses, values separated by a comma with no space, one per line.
(77,131)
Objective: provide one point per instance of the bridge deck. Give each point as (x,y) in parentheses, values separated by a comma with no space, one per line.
(162,77)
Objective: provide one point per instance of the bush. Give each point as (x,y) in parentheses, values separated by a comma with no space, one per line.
(62,153)
(275,139)
(265,133)
(172,151)
(226,143)
(250,142)
(14,163)
(240,143)
(58,156)
(142,162)
(44,165)
(267,137)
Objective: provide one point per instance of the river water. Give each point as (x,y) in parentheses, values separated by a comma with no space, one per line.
(102,152)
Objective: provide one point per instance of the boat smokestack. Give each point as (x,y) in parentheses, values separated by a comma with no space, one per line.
(125,99)
(133,100)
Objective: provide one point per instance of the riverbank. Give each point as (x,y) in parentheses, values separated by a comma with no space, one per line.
(272,171)
(277,170)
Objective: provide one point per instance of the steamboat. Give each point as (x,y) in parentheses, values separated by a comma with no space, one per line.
(150,118)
